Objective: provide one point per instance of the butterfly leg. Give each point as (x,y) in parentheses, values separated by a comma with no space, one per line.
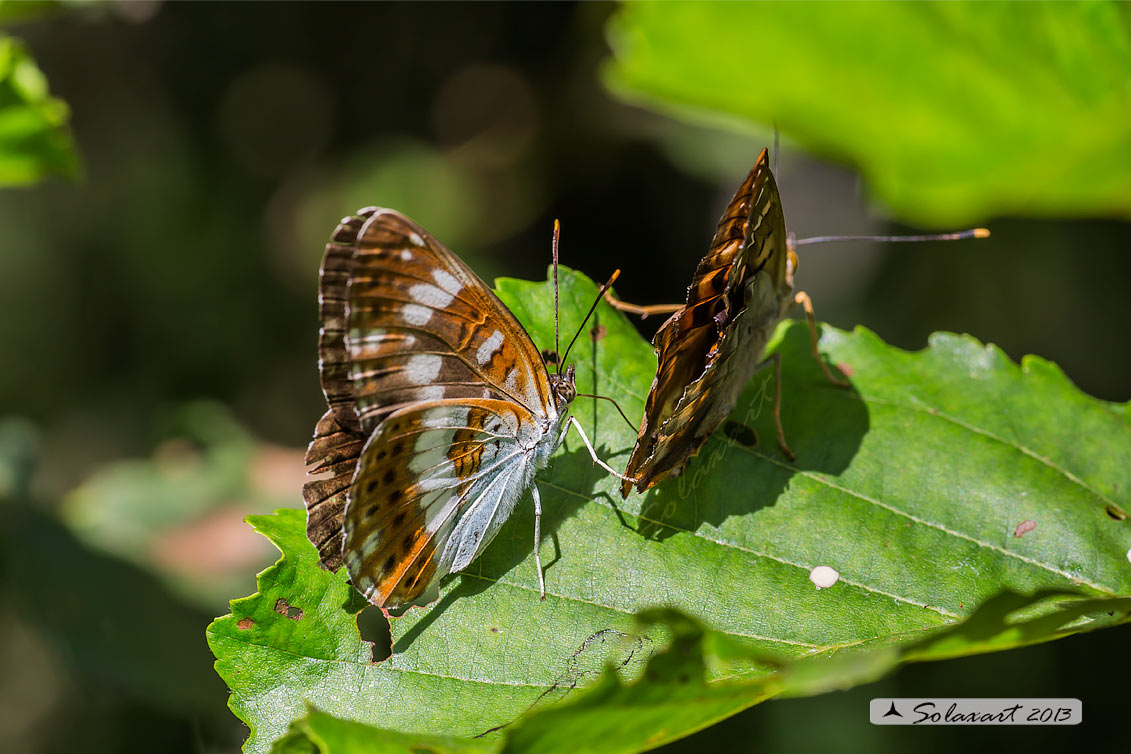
(776,358)
(593,454)
(803,298)
(643,311)
(538,538)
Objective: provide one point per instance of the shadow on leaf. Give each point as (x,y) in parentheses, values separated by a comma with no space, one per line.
(741,469)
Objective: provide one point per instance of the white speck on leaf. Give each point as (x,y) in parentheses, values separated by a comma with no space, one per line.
(824,577)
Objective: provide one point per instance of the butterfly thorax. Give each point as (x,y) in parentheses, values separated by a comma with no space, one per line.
(563,387)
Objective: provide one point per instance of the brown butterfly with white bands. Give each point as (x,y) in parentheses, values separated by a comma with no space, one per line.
(711,346)
(441,411)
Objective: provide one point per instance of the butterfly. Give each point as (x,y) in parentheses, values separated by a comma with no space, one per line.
(440,412)
(711,346)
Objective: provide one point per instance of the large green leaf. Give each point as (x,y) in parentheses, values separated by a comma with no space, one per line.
(34,140)
(914,484)
(613,717)
(952,112)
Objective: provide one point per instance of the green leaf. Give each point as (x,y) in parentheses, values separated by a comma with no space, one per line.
(34,139)
(952,112)
(913,484)
(319,733)
(672,700)
(674,697)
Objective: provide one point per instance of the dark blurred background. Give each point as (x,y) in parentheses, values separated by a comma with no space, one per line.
(159,322)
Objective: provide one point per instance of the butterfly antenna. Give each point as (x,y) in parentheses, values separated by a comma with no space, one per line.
(600,295)
(557,338)
(610,400)
(960,235)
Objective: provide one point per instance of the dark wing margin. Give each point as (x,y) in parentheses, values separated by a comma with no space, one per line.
(338,439)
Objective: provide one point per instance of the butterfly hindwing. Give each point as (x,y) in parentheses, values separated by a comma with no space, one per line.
(435,482)
(333,453)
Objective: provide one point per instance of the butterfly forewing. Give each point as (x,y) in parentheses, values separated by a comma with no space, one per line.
(708,350)
(422,326)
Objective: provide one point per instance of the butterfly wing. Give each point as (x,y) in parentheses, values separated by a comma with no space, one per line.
(403,321)
(422,325)
(436,481)
(708,350)
(338,439)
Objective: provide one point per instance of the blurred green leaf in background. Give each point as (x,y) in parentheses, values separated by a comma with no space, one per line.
(35,141)
(179,514)
(952,112)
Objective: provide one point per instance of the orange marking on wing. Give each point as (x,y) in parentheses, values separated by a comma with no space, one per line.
(466,453)
(414,552)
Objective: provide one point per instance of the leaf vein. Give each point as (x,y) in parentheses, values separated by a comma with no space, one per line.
(775,558)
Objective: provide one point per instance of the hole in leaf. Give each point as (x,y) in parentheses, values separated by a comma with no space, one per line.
(245,623)
(282,607)
(374,628)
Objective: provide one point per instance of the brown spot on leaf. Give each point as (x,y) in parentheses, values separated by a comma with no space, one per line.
(845,369)
(597,333)
(1024,527)
(245,623)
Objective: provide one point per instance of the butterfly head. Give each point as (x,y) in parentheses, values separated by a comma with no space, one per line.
(564,388)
